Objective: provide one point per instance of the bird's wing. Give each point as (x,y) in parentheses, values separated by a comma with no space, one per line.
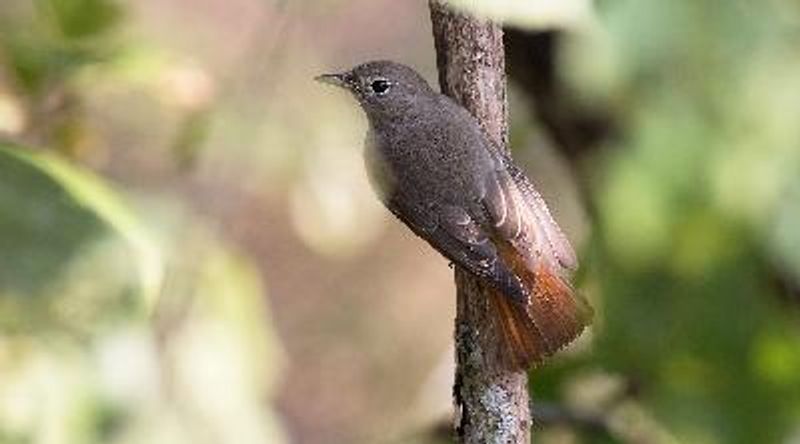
(530,243)
(527,223)
(453,233)
(457,236)
(533,312)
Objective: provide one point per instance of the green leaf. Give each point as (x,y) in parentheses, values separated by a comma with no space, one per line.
(50,213)
(82,18)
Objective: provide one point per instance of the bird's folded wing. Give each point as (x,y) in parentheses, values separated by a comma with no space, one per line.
(534,231)
(530,243)
(455,234)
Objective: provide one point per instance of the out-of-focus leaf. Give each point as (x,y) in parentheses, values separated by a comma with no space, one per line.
(41,226)
(81,18)
(51,212)
(42,47)
(202,368)
(35,61)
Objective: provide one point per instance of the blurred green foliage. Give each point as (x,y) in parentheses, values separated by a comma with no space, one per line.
(84,355)
(48,223)
(119,323)
(46,45)
(57,222)
(690,197)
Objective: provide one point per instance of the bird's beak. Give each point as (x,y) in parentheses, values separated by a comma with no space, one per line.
(339,80)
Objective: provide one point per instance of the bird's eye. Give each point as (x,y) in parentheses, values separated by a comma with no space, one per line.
(380,86)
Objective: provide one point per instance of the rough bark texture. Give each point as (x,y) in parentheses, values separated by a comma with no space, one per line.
(491,403)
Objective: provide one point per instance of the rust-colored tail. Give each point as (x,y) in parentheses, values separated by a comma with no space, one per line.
(553,317)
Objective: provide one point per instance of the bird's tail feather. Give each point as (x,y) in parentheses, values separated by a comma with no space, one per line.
(552,318)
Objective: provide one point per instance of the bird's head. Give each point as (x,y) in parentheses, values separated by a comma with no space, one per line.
(382,88)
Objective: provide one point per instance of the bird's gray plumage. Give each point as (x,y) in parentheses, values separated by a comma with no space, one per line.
(435,169)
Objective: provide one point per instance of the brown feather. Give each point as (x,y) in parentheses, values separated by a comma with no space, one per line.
(552,318)
(520,343)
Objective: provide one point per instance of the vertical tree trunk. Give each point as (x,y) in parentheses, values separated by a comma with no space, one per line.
(491,403)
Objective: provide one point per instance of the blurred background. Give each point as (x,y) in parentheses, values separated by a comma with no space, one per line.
(190,253)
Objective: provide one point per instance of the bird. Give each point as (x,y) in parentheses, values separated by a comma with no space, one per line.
(433,167)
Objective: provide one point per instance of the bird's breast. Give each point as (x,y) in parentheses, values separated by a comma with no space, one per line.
(381,173)
(429,158)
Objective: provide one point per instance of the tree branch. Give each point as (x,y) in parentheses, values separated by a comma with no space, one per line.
(491,402)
